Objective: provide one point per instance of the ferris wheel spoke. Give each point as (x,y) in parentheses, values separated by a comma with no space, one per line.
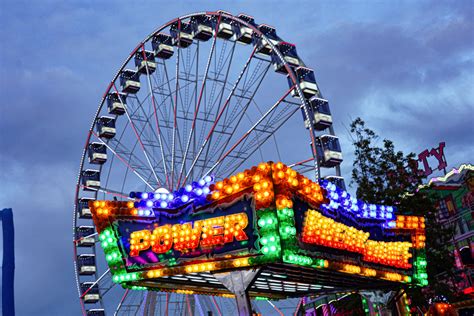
(198,104)
(137,136)
(107,191)
(158,130)
(95,283)
(219,103)
(146,120)
(171,118)
(138,164)
(238,113)
(129,304)
(84,237)
(175,107)
(107,290)
(162,89)
(216,305)
(201,149)
(267,130)
(119,306)
(246,134)
(214,99)
(275,308)
(127,164)
(133,161)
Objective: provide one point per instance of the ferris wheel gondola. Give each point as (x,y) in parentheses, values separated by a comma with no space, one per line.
(187,103)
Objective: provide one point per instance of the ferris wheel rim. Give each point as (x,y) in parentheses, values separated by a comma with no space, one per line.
(112,85)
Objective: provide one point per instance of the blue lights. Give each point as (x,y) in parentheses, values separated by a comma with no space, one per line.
(196,192)
(341,201)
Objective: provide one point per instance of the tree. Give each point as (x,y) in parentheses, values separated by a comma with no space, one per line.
(386,176)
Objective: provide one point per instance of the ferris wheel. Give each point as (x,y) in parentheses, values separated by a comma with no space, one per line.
(206,94)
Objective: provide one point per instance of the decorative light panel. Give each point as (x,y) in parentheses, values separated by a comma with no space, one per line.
(266,215)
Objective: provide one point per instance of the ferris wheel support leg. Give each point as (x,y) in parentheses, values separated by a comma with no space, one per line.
(238,283)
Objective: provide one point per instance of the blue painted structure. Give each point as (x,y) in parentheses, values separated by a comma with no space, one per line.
(8,264)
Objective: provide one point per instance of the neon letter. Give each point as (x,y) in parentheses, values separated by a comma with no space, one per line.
(161,240)
(423,157)
(439,153)
(234,226)
(139,241)
(188,237)
(213,231)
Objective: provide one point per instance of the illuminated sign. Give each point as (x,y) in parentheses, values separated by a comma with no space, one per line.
(267,215)
(186,237)
(175,240)
(438,153)
(324,231)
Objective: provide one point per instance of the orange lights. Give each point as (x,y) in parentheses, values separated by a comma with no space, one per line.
(101,208)
(139,240)
(228,295)
(104,211)
(353,268)
(419,241)
(241,262)
(410,222)
(161,240)
(283,202)
(391,276)
(349,268)
(234,227)
(185,237)
(265,180)
(201,267)
(154,274)
(415,225)
(184,292)
(263,192)
(256,177)
(288,179)
(324,231)
(388,253)
(369,272)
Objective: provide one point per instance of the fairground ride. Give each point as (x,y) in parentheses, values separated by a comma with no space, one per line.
(201,98)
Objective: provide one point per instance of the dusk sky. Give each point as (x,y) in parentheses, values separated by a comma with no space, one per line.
(406,68)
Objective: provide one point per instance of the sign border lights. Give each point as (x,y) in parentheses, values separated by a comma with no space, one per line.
(266,215)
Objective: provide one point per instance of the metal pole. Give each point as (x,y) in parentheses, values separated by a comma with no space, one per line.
(244,307)
(238,282)
(8,267)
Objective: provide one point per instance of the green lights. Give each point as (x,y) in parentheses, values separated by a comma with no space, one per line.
(320,263)
(267,221)
(114,257)
(261,298)
(269,237)
(123,277)
(287,230)
(297,259)
(107,238)
(365,306)
(420,275)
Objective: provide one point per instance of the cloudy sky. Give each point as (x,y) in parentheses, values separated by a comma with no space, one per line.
(406,68)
